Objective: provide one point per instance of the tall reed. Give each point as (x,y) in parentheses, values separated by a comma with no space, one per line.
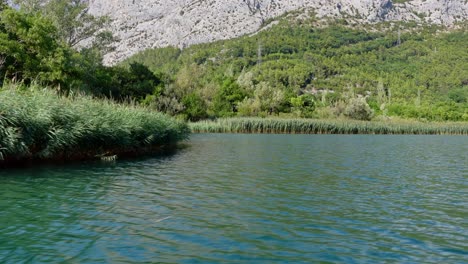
(37,124)
(311,126)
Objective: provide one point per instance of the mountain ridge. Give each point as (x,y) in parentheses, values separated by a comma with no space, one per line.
(143,24)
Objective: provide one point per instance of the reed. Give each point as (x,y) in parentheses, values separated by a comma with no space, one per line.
(36,124)
(340,126)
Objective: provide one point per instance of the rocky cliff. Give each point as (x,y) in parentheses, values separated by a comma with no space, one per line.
(141,24)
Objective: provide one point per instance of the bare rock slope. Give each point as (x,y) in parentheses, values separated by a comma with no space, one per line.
(141,24)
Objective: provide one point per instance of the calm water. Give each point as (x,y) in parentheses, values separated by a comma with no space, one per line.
(248,199)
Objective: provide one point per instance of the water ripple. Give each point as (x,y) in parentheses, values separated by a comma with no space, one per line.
(248,198)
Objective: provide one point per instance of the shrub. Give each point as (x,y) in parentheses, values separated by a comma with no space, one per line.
(303,105)
(357,108)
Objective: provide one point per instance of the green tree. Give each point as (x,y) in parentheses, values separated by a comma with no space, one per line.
(303,105)
(195,108)
(29,49)
(270,98)
(357,108)
(228,97)
(73,22)
(138,82)
(3,4)
(121,83)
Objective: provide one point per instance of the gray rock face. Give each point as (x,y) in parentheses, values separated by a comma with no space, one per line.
(141,24)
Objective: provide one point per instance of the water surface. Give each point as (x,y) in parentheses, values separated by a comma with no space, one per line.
(248,199)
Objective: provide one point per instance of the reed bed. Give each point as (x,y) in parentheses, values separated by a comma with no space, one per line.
(36,124)
(311,126)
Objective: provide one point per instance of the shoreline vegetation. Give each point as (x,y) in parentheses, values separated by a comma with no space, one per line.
(59,103)
(337,126)
(37,125)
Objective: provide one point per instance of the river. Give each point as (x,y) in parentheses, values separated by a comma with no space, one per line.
(247,199)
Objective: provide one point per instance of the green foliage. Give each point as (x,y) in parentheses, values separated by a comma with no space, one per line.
(337,126)
(420,74)
(195,108)
(72,20)
(228,97)
(428,65)
(425,111)
(32,48)
(3,4)
(37,124)
(459,95)
(29,49)
(135,82)
(357,108)
(303,105)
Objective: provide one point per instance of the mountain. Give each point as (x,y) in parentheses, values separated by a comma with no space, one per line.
(142,24)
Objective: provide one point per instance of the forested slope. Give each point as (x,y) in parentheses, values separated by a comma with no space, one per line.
(311,70)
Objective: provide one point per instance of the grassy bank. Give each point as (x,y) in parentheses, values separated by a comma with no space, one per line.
(311,126)
(38,125)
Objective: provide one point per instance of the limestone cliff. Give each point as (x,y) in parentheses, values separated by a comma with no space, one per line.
(141,24)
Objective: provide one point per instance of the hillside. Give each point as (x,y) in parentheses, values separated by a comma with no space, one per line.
(142,24)
(300,64)
(325,72)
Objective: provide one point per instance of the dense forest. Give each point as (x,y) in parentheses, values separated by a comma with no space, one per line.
(303,68)
(291,68)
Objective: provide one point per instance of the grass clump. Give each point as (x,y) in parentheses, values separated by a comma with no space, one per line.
(339,126)
(37,124)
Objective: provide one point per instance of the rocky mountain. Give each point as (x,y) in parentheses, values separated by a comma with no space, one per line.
(142,24)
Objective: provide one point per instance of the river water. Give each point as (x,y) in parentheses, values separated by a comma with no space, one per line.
(247,199)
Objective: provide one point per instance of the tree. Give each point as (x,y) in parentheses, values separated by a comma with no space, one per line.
(270,98)
(29,49)
(72,20)
(138,81)
(121,83)
(195,108)
(3,4)
(229,95)
(303,105)
(357,108)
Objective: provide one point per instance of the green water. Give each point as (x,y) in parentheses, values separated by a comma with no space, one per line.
(247,199)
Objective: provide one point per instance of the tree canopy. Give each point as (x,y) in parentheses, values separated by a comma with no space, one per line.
(419,73)
(71,18)
(32,49)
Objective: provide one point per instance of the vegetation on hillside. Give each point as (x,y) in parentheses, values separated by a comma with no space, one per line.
(298,69)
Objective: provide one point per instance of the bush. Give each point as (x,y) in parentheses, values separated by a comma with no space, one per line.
(357,108)
(303,105)
(195,108)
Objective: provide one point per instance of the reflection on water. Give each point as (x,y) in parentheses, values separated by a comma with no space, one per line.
(247,198)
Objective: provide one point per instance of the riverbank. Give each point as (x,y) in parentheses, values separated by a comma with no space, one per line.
(339,126)
(37,125)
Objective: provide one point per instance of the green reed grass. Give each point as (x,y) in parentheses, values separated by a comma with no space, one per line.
(37,124)
(311,126)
